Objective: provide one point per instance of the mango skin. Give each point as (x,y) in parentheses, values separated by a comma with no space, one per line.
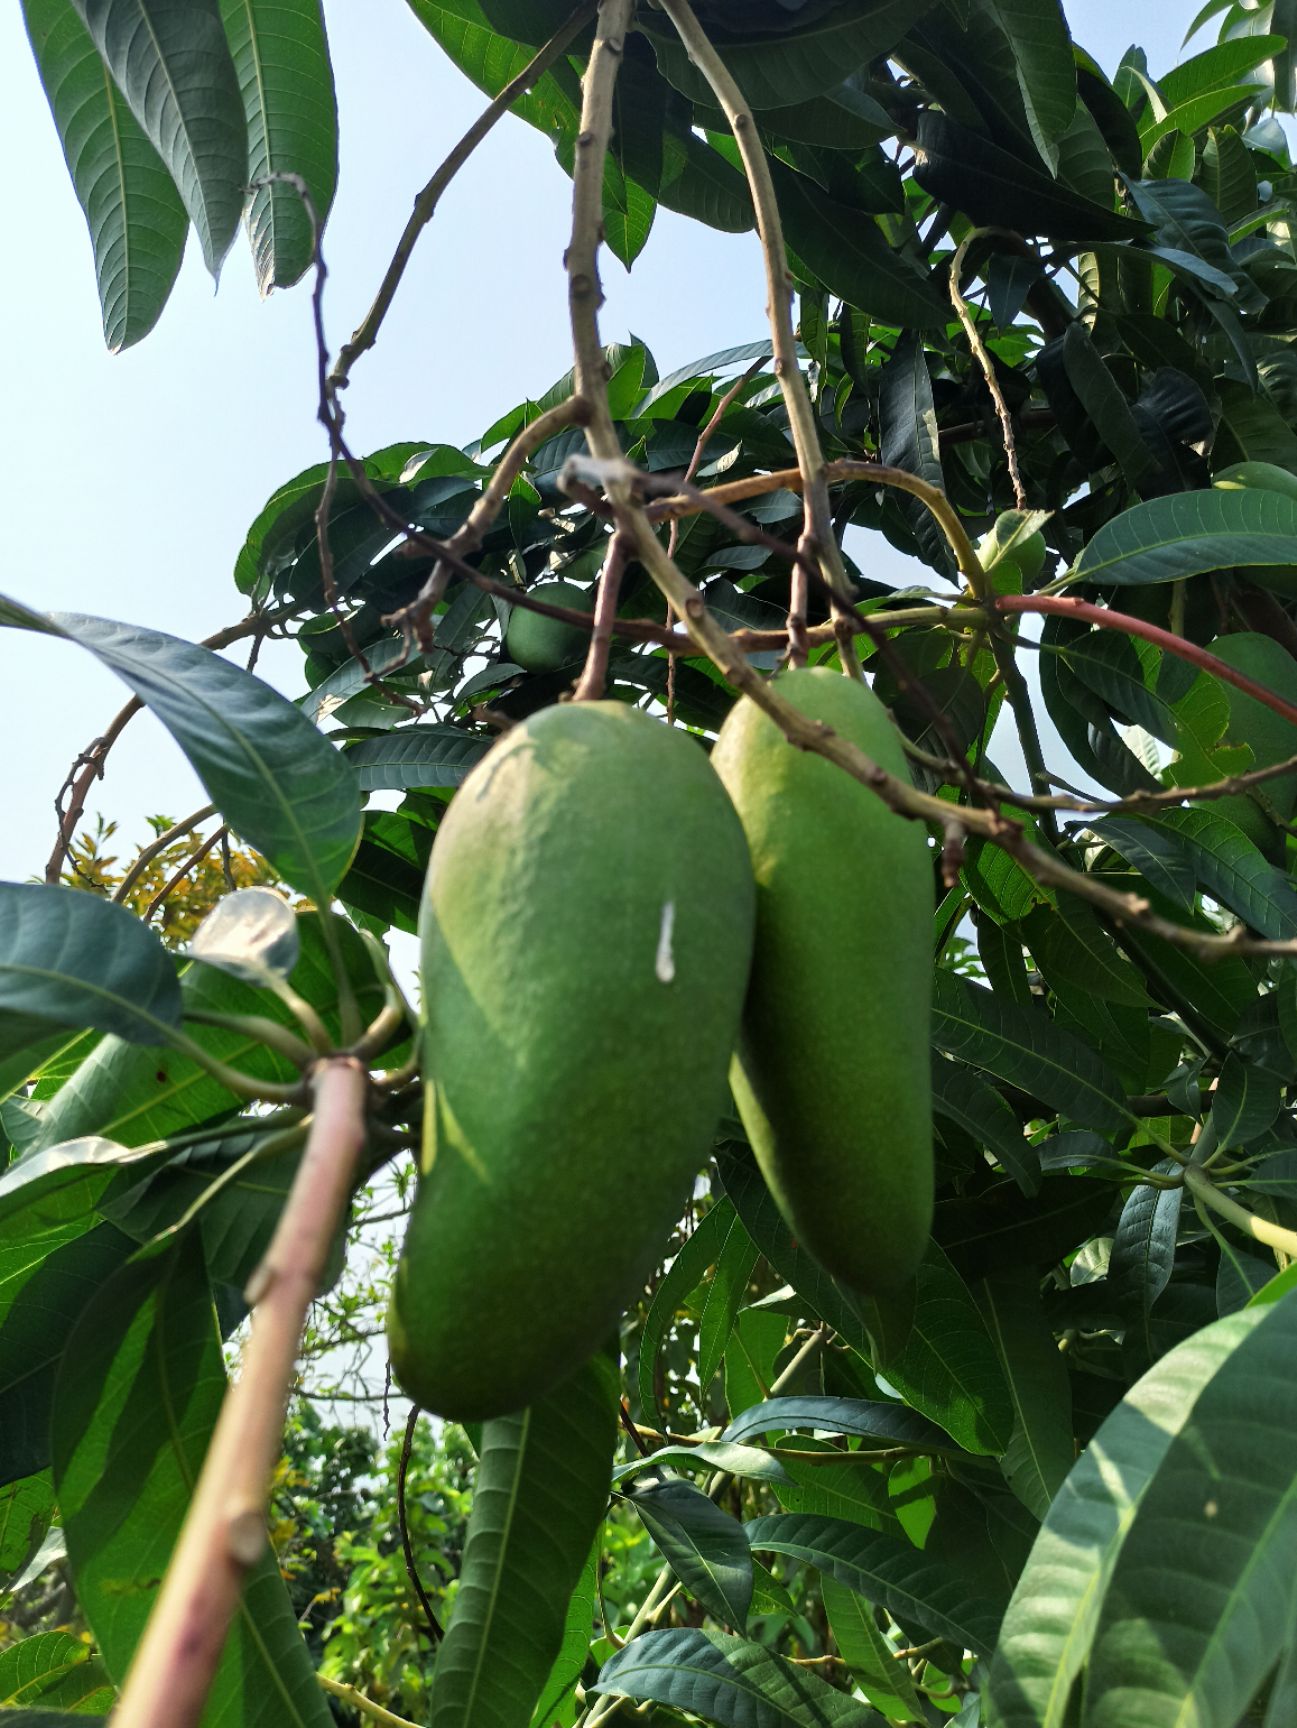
(541,644)
(831,1076)
(577,1039)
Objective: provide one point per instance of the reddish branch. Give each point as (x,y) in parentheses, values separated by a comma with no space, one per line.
(1066,606)
(225,1531)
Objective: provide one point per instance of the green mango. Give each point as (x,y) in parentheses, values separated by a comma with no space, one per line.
(541,644)
(1011,558)
(831,1076)
(586,937)
(539,1497)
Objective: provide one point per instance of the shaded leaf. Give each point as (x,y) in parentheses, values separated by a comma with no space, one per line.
(705,1548)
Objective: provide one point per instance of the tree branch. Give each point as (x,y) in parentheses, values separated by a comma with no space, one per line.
(225,1531)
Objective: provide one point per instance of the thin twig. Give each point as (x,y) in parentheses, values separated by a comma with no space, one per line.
(177,831)
(426,203)
(225,1531)
(591,684)
(817,535)
(194,859)
(362,1705)
(432,1626)
(984,360)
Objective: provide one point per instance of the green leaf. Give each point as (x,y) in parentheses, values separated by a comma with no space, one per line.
(908,433)
(747,1461)
(1215,67)
(1159,858)
(416,756)
(995,187)
(685,1273)
(705,1548)
(1101,397)
(1232,870)
(1175,1644)
(66,1182)
(1187,533)
(1023,1046)
(909,1583)
(578,1629)
(1054,1611)
(726,1290)
(134,1409)
(253,934)
(538,1500)
(26,1512)
(171,61)
(270,773)
(1040,1451)
(796,64)
(887,1425)
(886,1682)
(965,1098)
(54,1671)
(1143,1256)
(1245,1102)
(850,255)
(727,1681)
(68,958)
(281,58)
(136,220)
(1035,34)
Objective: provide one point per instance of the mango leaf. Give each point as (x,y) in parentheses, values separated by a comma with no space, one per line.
(887,1683)
(1232,870)
(705,1548)
(135,216)
(1188,533)
(578,1628)
(726,1290)
(431,756)
(538,1499)
(683,1276)
(887,1425)
(798,63)
(133,1412)
(1054,1611)
(727,1681)
(1036,36)
(270,773)
(171,61)
(1245,1102)
(26,1511)
(909,1583)
(1040,1451)
(1166,1649)
(1160,858)
(709,1455)
(252,933)
(54,1671)
(965,1098)
(68,958)
(64,1183)
(850,255)
(1024,1046)
(281,59)
(1143,1256)
(908,425)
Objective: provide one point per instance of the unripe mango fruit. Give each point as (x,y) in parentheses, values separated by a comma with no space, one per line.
(586,937)
(832,1075)
(541,644)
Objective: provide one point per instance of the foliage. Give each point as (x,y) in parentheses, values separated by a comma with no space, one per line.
(1051,1480)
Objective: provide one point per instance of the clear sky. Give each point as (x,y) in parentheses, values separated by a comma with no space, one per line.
(130,480)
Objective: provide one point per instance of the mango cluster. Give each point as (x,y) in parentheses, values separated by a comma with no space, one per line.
(613,926)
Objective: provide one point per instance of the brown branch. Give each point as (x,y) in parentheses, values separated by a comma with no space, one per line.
(593,681)
(817,533)
(983,358)
(225,1531)
(425,205)
(1067,606)
(432,1626)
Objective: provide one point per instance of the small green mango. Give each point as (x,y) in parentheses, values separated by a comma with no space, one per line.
(1013,559)
(832,1074)
(541,644)
(586,938)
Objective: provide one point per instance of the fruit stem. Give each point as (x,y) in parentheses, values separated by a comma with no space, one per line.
(1201,1186)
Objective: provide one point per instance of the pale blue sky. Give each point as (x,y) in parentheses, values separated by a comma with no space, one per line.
(130,480)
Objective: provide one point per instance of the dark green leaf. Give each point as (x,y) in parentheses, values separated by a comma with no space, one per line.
(54,1671)
(171,61)
(1188,533)
(705,1548)
(885,1424)
(728,1681)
